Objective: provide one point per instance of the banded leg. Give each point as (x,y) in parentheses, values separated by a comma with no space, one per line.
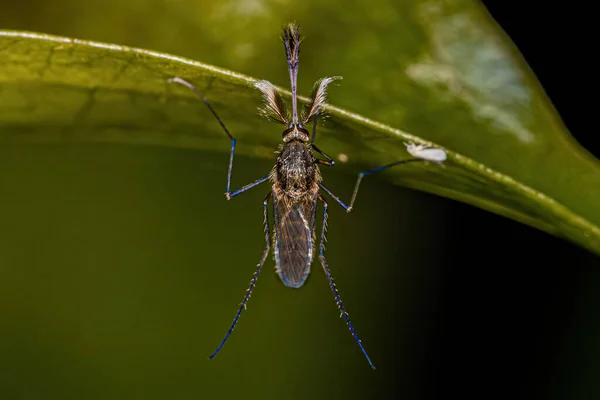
(254,277)
(338,300)
(229,194)
(348,208)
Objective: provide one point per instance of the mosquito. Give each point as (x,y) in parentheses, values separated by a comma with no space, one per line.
(296,183)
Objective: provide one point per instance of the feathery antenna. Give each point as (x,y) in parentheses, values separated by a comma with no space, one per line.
(318,98)
(273,108)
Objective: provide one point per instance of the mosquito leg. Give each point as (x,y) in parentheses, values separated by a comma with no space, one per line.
(328,160)
(324,162)
(338,300)
(254,277)
(228,193)
(337,199)
(359,179)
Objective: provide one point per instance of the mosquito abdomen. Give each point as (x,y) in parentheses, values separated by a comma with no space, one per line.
(293,241)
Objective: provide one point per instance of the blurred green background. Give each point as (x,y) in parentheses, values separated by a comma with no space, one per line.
(122,266)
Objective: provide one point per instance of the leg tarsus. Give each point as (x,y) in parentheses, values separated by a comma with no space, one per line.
(254,277)
(228,193)
(338,300)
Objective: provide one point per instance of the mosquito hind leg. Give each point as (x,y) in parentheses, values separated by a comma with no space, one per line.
(338,300)
(254,277)
(229,194)
(349,207)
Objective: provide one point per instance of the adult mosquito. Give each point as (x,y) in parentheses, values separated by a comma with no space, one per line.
(296,182)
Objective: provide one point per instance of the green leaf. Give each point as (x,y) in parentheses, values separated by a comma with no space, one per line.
(60,89)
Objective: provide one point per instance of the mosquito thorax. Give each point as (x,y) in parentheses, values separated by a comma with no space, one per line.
(295,132)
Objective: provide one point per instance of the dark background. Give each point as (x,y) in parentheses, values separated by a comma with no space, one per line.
(520,313)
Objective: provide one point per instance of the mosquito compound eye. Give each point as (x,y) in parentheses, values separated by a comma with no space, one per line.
(287,135)
(303,134)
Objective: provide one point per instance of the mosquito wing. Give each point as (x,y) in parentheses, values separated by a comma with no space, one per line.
(294,238)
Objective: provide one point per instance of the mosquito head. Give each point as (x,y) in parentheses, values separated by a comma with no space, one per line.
(295,132)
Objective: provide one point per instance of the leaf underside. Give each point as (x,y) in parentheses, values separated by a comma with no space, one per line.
(68,90)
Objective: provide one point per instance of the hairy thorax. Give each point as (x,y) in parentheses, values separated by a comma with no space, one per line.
(296,173)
